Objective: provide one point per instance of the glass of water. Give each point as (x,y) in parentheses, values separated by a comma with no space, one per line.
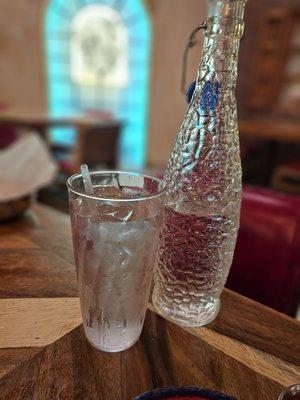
(115,237)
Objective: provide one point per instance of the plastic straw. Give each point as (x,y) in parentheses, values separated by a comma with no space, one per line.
(87,179)
(88,186)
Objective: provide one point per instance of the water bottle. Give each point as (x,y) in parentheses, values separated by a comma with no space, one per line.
(203,179)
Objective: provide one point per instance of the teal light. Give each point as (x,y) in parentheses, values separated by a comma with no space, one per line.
(63,93)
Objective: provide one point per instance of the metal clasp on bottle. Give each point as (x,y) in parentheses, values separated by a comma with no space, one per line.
(191,43)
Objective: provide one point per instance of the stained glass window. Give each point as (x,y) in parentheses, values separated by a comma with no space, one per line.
(99,48)
(98,59)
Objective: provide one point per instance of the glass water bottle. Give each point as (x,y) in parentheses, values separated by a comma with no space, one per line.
(203,179)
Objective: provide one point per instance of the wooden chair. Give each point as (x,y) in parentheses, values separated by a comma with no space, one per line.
(265,113)
(98,147)
(277,27)
(95,147)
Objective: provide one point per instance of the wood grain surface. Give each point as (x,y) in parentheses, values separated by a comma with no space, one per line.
(258,326)
(250,351)
(29,322)
(165,356)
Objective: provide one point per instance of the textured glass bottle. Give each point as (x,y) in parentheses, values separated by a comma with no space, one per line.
(203,181)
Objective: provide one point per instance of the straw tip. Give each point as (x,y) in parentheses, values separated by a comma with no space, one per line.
(84,167)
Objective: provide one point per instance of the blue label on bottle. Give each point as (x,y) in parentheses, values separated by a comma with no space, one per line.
(209,97)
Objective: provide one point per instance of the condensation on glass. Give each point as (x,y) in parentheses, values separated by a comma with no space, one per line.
(115,237)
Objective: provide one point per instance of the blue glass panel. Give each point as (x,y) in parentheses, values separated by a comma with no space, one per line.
(65,98)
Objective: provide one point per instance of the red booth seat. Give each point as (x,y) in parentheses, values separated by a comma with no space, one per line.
(266,265)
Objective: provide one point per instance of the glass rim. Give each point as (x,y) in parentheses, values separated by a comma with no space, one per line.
(113,199)
(290,391)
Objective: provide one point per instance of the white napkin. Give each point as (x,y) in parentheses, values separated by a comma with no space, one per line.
(25,167)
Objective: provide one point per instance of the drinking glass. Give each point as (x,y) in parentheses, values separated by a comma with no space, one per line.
(115,238)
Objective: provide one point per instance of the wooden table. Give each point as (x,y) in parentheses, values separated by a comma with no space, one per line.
(97,138)
(250,351)
(41,123)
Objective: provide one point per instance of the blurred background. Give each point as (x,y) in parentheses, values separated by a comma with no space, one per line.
(98,82)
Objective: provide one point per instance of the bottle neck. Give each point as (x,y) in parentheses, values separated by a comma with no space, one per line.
(226,8)
(225,27)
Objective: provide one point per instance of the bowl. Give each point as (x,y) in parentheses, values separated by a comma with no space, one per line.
(14,208)
(184,393)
